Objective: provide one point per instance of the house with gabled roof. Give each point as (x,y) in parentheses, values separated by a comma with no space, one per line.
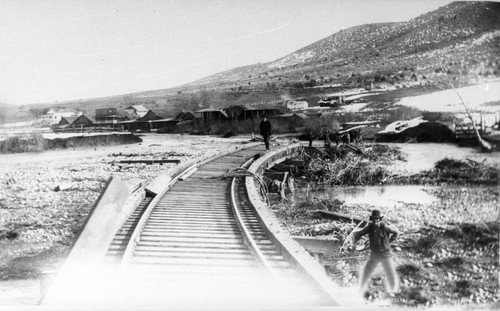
(148,116)
(75,122)
(164,125)
(53,116)
(212,115)
(182,121)
(255,113)
(186,115)
(138,110)
(142,121)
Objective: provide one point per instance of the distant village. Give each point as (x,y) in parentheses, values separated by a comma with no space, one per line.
(137,118)
(287,115)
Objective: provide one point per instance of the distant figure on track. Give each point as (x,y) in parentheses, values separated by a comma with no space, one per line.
(265,130)
(381,236)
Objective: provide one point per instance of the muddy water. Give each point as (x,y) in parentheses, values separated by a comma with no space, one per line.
(379,195)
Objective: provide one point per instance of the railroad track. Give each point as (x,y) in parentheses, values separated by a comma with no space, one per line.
(202,243)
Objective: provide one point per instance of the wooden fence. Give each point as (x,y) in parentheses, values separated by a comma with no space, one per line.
(465,129)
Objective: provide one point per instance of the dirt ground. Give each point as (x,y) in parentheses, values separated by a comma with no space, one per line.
(45,197)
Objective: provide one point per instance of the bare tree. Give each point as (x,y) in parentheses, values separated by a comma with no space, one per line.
(484,144)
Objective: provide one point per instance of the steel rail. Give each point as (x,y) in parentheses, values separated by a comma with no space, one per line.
(246,233)
(181,175)
(294,253)
(206,230)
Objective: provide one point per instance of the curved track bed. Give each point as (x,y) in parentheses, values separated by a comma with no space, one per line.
(202,244)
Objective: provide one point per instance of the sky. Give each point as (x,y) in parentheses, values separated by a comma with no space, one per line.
(61,50)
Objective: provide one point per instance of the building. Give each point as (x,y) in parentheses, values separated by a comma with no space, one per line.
(54,116)
(297,105)
(80,121)
(212,115)
(168,125)
(332,101)
(182,122)
(185,116)
(256,113)
(139,123)
(106,115)
(137,110)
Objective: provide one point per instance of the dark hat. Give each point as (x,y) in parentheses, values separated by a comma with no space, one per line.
(376,214)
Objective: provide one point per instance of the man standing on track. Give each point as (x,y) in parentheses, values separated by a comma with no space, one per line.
(381,236)
(265,130)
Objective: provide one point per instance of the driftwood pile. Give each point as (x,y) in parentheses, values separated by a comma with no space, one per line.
(349,170)
(279,178)
(344,165)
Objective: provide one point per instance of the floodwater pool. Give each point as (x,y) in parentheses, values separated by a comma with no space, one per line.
(380,195)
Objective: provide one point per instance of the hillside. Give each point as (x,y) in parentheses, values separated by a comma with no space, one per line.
(463,36)
(467,32)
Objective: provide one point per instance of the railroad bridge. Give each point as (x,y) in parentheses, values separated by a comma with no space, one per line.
(201,238)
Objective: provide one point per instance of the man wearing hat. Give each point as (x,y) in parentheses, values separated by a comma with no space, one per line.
(265,130)
(380,235)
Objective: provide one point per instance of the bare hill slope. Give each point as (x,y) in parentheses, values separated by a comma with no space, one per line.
(464,36)
(466,31)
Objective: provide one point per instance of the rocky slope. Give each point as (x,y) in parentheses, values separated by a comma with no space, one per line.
(468,32)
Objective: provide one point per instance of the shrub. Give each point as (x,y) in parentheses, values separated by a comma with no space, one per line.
(425,245)
(476,234)
(16,144)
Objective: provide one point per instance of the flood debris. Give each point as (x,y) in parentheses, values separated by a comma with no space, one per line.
(454,172)
(279,183)
(234,173)
(416,130)
(447,263)
(289,166)
(345,170)
(62,187)
(401,126)
(342,166)
(147,158)
(342,217)
(160,155)
(447,253)
(150,162)
(6,234)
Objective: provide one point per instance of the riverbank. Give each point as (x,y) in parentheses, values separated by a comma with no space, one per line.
(40,143)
